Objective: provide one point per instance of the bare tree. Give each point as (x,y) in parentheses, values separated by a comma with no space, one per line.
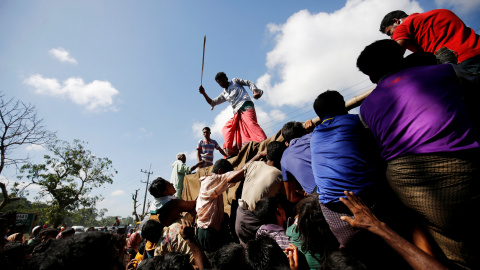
(139,217)
(19,126)
(147,211)
(6,199)
(135,201)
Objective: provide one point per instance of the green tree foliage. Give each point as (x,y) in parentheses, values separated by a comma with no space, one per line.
(88,217)
(23,205)
(67,178)
(127,220)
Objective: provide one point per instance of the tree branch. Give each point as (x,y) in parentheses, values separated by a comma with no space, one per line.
(6,198)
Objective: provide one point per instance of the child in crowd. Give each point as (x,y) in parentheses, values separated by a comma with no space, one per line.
(271,214)
(166,206)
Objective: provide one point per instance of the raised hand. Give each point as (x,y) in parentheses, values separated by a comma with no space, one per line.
(363,216)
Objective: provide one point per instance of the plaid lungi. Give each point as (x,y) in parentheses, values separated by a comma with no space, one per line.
(444,189)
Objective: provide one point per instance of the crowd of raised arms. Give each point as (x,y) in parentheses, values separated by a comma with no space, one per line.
(393,187)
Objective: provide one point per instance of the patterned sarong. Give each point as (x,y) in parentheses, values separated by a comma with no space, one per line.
(444,189)
(341,229)
(241,129)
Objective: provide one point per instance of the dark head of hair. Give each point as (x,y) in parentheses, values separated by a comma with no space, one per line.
(42,241)
(158,187)
(152,230)
(3,225)
(10,216)
(121,231)
(131,251)
(121,241)
(388,19)
(265,253)
(169,261)
(176,261)
(206,128)
(417,59)
(380,58)
(228,257)
(223,164)
(151,263)
(141,246)
(48,233)
(14,250)
(67,232)
(339,260)
(293,130)
(313,226)
(265,210)
(275,151)
(220,75)
(14,256)
(73,253)
(331,103)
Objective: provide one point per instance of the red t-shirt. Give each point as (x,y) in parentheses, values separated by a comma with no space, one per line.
(438,28)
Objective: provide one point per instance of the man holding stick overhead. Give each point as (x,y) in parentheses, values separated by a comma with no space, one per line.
(243,127)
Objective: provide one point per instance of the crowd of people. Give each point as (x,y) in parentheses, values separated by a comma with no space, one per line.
(394,187)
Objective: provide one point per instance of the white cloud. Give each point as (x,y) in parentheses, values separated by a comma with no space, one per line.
(269,120)
(191,157)
(460,6)
(316,52)
(117,192)
(62,55)
(143,133)
(93,96)
(219,122)
(197,129)
(34,147)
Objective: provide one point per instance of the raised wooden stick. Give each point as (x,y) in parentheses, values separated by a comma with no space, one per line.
(203,58)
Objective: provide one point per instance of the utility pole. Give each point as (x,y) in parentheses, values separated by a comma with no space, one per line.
(146,187)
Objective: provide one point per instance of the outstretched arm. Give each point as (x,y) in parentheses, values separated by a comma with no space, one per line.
(365,219)
(171,210)
(187,232)
(222,152)
(207,98)
(258,156)
(235,176)
(257,93)
(213,102)
(197,165)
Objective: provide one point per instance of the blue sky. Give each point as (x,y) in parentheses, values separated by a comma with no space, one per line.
(124,75)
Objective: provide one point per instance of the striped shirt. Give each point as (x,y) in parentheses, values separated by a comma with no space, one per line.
(277,233)
(206,150)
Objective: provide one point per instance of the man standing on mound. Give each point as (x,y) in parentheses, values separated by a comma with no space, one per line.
(243,127)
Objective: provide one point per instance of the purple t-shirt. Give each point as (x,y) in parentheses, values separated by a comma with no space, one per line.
(418,111)
(297,162)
